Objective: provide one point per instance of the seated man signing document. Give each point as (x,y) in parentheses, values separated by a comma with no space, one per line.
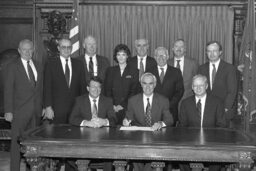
(93,110)
(148,108)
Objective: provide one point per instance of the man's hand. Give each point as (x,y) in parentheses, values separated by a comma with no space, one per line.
(90,124)
(49,113)
(100,122)
(8,116)
(126,122)
(118,108)
(157,126)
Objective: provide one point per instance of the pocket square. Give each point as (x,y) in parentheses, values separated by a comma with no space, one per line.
(128,76)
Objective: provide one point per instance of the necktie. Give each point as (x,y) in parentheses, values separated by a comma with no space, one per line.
(178,64)
(94,109)
(213,73)
(162,75)
(67,72)
(91,67)
(199,107)
(31,74)
(148,114)
(141,67)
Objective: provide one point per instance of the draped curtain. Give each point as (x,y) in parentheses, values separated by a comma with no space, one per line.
(161,25)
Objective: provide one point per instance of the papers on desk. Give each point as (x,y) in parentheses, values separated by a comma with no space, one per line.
(135,128)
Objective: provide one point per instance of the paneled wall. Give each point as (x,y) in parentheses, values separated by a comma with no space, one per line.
(16,22)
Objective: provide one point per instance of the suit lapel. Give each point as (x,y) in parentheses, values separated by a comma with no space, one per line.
(99,65)
(141,107)
(60,69)
(154,108)
(185,68)
(23,72)
(219,71)
(171,62)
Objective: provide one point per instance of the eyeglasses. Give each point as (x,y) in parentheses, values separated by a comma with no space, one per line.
(66,47)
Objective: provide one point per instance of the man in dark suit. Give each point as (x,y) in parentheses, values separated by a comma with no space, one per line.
(142,61)
(22,97)
(94,65)
(209,112)
(201,110)
(188,66)
(93,110)
(64,80)
(169,80)
(148,109)
(222,78)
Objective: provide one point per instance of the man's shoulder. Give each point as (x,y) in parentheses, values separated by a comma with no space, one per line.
(227,65)
(188,100)
(160,97)
(135,97)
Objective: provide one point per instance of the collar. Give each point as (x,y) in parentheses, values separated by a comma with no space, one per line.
(164,67)
(181,58)
(64,59)
(143,57)
(202,98)
(91,99)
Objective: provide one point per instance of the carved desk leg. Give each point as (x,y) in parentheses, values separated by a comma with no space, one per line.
(196,166)
(120,165)
(246,161)
(82,165)
(35,163)
(158,166)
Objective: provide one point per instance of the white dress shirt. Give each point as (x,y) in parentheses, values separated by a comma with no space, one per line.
(63,63)
(203,99)
(95,64)
(24,62)
(159,69)
(144,58)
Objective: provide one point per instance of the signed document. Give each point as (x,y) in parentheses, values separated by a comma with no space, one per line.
(135,128)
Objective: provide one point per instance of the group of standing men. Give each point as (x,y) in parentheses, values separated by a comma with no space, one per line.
(161,93)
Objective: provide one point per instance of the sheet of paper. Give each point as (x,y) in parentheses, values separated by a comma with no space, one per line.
(135,128)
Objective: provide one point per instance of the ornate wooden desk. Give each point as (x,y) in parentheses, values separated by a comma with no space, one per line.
(169,144)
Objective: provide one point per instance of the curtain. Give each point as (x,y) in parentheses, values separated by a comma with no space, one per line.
(161,25)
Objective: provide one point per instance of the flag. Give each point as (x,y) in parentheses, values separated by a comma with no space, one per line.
(247,60)
(74,30)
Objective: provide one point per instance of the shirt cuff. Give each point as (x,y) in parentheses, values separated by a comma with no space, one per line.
(107,122)
(82,123)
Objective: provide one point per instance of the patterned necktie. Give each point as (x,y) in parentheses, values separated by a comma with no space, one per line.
(141,68)
(91,67)
(213,73)
(148,114)
(31,74)
(162,75)
(94,109)
(67,72)
(199,107)
(178,64)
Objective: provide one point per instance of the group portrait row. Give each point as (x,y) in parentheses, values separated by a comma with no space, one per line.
(146,91)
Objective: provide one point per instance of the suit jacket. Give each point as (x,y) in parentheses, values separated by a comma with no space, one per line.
(103,64)
(189,70)
(82,110)
(172,87)
(213,113)
(224,86)
(159,110)
(150,62)
(56,91)
(23,100)
(120,88)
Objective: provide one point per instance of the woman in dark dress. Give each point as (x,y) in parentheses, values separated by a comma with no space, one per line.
(121,81)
